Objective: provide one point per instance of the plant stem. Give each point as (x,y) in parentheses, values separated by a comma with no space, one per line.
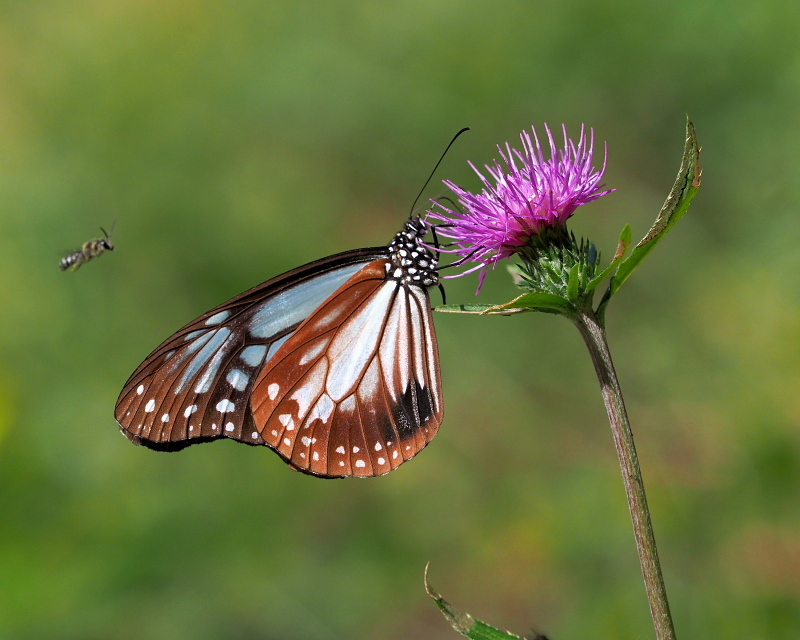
(595,337)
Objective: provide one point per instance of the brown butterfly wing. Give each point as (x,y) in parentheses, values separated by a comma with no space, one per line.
(355,391)
(196,386)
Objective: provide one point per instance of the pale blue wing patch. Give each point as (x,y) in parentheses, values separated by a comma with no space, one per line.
(218,317)
(209,346)
(291,307)
(253,355)
(238,379)
(276,345)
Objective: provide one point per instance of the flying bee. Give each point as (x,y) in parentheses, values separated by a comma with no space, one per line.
(88,251)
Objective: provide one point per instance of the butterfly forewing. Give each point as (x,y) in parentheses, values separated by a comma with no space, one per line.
(351,391)
(196,386)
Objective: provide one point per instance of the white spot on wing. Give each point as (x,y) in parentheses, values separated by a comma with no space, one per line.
(272,390)
(254,435)
(189,410)
(140,390)
(305,440)
(313,351)
(322,322)
(322,410)
(340,449)
(310,388)
(151,404)
(361,463)
(356,449)
(394,455)
(230,427)
(348,405)
(325,407)
(287,442)
(165,418)
(315,456)
(381,461)
(378,446)
(225,406)
(287,421)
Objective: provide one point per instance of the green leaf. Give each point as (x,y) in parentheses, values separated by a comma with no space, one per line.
(464,623)
(622,248)
(677,204)
(527,302)
(624,241)
(537,302)
(572,283)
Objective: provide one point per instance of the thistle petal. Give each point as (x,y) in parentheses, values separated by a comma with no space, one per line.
(524,193)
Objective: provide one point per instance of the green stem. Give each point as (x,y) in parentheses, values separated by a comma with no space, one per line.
(595,337)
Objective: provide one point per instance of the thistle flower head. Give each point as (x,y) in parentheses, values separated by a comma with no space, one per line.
(522,197)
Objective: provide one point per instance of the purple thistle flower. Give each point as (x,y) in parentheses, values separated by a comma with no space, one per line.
(524,200)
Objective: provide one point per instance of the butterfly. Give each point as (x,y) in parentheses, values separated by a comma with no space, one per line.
(333,365)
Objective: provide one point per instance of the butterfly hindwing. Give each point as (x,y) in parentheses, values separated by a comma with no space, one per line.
(355,389)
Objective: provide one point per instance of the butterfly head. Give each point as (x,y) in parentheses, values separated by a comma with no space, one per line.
(411,261)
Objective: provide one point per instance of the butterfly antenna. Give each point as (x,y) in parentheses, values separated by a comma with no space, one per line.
(455,137)
(460,261)
(436,243)
(452,204)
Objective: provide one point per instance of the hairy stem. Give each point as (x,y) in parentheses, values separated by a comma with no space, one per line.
(594,335)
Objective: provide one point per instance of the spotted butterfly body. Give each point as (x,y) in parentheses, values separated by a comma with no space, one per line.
(334,365)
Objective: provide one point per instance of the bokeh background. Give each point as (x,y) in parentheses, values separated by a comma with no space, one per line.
(232,140)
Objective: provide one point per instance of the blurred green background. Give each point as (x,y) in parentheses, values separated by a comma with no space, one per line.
(232,140)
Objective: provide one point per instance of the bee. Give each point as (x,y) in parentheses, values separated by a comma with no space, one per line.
(88,251)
